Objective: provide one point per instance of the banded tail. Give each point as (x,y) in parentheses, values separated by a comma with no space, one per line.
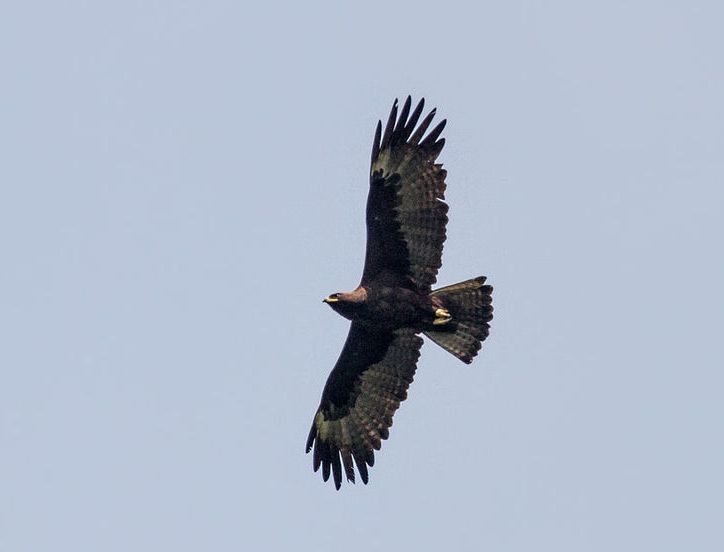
(470,306)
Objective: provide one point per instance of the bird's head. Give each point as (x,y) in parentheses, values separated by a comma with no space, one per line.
(346,302)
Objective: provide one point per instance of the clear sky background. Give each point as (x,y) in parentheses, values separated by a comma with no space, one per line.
(182,182)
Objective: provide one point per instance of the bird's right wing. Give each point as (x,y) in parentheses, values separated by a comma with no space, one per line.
(362,393)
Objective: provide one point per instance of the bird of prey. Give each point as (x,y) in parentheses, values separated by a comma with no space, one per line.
(394,302)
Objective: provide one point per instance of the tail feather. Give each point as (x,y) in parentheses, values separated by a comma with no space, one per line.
(470,305)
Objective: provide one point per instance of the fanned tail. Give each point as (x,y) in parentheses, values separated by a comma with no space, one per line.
(470,306)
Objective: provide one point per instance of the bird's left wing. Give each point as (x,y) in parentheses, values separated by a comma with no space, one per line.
(364,390)
(406,214)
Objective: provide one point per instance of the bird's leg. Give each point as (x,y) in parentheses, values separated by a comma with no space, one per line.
(442,316)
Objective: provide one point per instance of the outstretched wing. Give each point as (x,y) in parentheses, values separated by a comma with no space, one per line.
(406,214)
(364,390)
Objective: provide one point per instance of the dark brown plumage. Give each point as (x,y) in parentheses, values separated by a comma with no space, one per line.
(406,218)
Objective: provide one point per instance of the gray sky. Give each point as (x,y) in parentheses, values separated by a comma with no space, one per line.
(182,182)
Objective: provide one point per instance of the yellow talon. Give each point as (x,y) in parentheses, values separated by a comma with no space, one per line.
(442,316)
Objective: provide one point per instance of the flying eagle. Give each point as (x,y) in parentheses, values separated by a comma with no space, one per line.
(406,218)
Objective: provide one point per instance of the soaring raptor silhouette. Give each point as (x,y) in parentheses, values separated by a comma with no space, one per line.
(406,218)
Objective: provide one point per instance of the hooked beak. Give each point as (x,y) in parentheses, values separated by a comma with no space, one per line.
(330,300)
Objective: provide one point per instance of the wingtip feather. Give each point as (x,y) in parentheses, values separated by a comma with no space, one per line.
(310,438)
(402,119)
(430,139)
(376,141)
(405,128)
(418,134)
(336,467)
(390,126)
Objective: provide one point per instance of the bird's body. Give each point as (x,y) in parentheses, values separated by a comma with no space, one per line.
(406,219)
(386,307)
